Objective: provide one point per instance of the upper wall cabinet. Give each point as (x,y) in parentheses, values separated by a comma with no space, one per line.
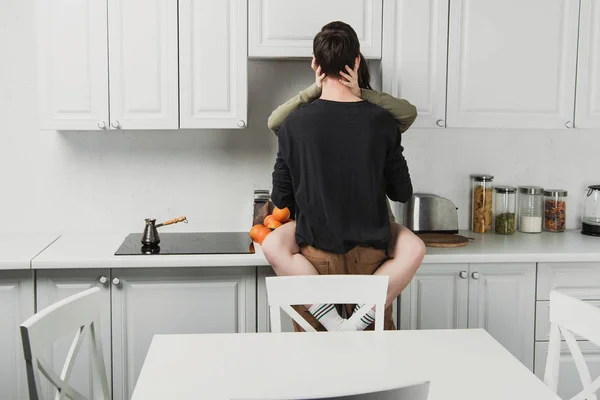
(213,62)
(512,63)
(587,113)
(73,64)
(415,49)
(286,28)
(143,50)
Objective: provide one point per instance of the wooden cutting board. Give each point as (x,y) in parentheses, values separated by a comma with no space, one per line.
(444,240)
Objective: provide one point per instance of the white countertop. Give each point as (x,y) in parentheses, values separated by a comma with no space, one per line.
(17,250)
(97,251)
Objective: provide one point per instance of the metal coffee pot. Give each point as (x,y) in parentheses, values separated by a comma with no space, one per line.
(150,236)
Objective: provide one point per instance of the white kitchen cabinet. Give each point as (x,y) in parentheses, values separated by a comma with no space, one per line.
(569,383)
(581,280)
(502,301)
(512,64)
(213,53)
(587,113)
(286,28)
(16,305)
(54,285)
(142,44)
(146,302)
(415,50)
(436,298)
(72,64)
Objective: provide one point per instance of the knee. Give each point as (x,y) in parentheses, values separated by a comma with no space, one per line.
(272,247)
(417,252)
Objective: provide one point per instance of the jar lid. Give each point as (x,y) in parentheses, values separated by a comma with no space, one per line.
(555,192)
(594,187)
(505,189)
(531,190)
(482,178)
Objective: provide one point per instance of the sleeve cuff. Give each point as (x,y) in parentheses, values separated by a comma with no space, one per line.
(369,95)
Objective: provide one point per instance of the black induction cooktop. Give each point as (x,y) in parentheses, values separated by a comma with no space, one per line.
(173,243)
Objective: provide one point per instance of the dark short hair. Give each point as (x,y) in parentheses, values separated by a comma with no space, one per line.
(336,46)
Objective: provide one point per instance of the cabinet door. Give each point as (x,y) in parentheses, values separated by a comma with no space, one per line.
(587,114)
(569,383)
(512,64)
(72,64)
(213,60)
(146,302)
(436,298)
(502,301)
(55,285)
(286,28)
(16,305)
(143,64)
(415,50)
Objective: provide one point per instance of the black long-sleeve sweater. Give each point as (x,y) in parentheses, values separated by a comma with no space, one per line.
(336,163)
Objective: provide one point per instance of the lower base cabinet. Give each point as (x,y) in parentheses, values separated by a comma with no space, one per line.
(16,305)
(569,383)
(143,302)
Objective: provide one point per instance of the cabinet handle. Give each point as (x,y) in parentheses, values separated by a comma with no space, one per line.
(475,275)
(103,280)
(241,123)
(441,123)
(569,124)
(463,275)
(116,281)
(102,125)
(115,124)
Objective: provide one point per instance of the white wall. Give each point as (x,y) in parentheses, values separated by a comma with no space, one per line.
(110,181)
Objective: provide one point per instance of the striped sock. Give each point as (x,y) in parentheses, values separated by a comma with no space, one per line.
(327,315)
(366,319)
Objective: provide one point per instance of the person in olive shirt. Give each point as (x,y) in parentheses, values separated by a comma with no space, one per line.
(405,250)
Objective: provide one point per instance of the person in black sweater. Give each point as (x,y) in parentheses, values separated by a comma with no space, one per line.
(337,160)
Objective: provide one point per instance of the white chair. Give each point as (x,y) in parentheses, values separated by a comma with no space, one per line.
(569,317)
(286,291)
(79,314)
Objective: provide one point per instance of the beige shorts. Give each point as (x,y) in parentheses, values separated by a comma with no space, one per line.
(358,261)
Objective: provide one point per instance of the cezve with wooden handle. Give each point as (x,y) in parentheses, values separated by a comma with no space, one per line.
(173,221)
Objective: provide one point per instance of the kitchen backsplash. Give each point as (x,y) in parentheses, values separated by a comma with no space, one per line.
(110,181)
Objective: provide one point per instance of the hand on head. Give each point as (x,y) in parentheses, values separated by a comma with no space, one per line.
(319,76)
(350,79)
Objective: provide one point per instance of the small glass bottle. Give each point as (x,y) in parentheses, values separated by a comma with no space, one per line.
(555,210)
(505,203)
(481,203)
(530,209)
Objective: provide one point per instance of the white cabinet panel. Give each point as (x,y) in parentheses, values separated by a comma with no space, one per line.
(16,305)
(436,298)
(146,302)
(55,285)
(143,64)
(502,301)
(587,114)
(511,63)
(415,50)
(213,63)
(580,280)
(72,64)
(542,319)
(286,28)
(569,383)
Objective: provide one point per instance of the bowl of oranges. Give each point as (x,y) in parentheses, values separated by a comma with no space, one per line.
(280,216)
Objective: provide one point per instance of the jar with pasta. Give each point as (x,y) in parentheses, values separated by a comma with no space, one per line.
(555,210)
(481,203)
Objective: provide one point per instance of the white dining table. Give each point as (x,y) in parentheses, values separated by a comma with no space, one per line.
(460,364)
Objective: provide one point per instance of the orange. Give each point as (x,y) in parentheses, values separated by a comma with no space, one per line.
(268,219)
(274,224)
(262,235)
(281,215)
(255,231)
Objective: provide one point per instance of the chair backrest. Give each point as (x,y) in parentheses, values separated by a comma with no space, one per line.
(570,316)
(418,391)
(285,291)
(80,315)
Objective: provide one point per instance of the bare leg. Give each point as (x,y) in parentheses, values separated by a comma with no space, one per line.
(406,252)
(283,254)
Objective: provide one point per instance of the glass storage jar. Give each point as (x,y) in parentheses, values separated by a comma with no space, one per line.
(530,209)
(505,204)
(590,219)
(481,203)
(555,210)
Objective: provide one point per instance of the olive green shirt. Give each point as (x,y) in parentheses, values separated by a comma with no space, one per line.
(404,113)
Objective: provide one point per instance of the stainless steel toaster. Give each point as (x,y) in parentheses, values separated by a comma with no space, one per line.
(426,212)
